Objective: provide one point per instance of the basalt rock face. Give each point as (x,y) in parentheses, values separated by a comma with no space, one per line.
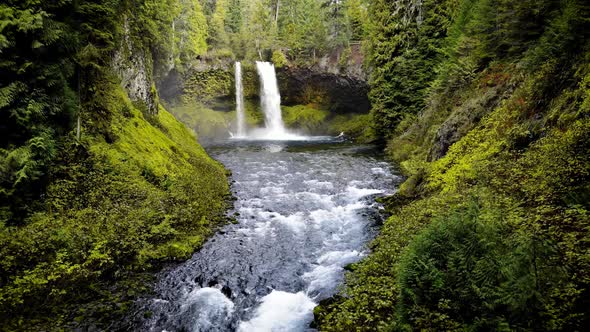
(214,86)
(466,117)
(346,61)
(340,93)
(133,65)
(207,80)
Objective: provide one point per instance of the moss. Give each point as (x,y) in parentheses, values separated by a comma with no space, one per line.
(205,122)
(208,85)
(494,234)
(305,118)
(357,126)
(536,227)
(114,210)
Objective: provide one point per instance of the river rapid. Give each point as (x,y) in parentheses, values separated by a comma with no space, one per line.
(305,210)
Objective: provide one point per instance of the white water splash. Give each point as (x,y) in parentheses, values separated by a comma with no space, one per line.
(281,311)
(207,307)
(303,217)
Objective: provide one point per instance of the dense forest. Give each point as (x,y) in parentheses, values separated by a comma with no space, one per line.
(98,182)
(483,104)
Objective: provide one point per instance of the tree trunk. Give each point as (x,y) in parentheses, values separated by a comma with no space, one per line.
(78,133)
(258,48)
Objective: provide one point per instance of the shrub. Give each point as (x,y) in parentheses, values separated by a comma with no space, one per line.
(279,59)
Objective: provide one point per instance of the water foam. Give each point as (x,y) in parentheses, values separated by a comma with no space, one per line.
(207,308)
(302,218)
(281,311)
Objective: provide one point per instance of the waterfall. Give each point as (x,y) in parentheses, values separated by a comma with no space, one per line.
(270,100)
(241,116)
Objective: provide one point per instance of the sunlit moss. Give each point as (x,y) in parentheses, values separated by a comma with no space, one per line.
(304,118)
(153,195)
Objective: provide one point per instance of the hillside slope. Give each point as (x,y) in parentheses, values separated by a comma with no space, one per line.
(99,184)
(490,231)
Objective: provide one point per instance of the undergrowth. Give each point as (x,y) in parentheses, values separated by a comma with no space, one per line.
(111,211)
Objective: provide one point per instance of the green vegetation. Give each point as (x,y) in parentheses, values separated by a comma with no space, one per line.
(204,121)
(98,220)
(208,85)
(305,118)
(484,104)
(300,30)
(315,121)
(490,230)
(278,59)
(84,213)
(356,126)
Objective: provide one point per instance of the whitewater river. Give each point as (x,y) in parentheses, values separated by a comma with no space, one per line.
(305,211)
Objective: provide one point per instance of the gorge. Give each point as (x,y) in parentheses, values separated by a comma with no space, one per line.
(302,165)
(304,211)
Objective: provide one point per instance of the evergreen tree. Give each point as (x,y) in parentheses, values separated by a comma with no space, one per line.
(37,97)
(190,30)
(404,46)
(233,21)
(302,28)
(217,32)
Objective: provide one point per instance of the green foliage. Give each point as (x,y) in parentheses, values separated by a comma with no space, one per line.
(190,34)
(279,59)
(217,34)
(490,229)
(234,17)
(356,13)
(305,118)
(36,98)
(98,221)
(470,270)
(302,29)
(208,85)
(404,45)
(175,32)
(81,218)
(206,122)
(356,126)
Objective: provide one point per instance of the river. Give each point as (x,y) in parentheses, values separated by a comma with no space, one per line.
(305,210)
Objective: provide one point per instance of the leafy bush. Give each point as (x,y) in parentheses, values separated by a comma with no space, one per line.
(470,270)
(279,59)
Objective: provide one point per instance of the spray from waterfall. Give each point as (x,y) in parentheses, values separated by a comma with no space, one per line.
(241,116)
(270,100)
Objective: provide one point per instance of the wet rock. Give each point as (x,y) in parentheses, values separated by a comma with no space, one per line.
(342,94)
(133,66)
(226,291)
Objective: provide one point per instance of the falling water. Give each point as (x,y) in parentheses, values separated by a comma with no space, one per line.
(241,116)
(270,100)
